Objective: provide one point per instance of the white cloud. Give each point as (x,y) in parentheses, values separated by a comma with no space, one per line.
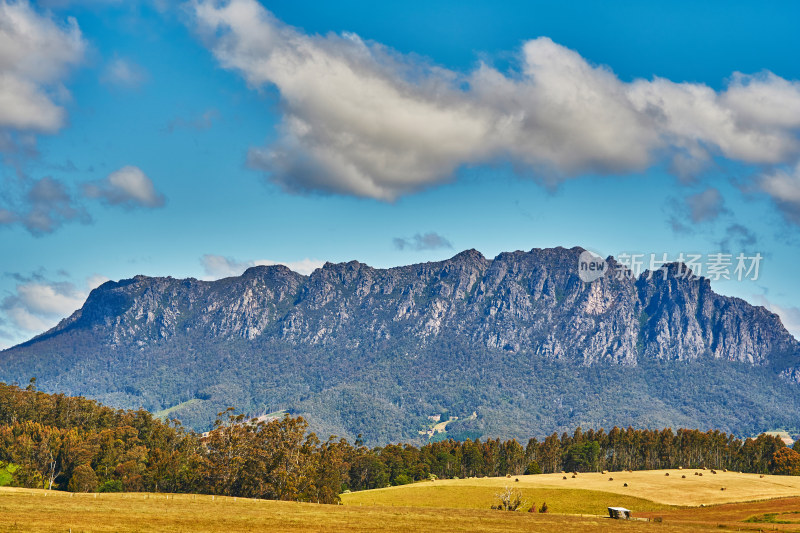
(217,266)
(738,235)
(790,316)
(38,304)
(695,120)
(46,204)
(61,4)
(49,299)
(353,123)
(363,120)
(202,122)
(128,187)
(784,187)
(35,55)
(95,280)
(124,73)
(764,100)
(706,205)
(426,241)
(161,5)
(24,107)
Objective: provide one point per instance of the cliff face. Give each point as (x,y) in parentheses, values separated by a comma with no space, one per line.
(530,302)
(527,306)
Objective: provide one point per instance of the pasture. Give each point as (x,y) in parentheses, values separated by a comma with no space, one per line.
(645,490)
(748,503)
(31,510)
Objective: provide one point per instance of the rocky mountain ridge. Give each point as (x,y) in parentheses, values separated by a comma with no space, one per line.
(523,302)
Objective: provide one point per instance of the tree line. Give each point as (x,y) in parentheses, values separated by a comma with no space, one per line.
(57,442)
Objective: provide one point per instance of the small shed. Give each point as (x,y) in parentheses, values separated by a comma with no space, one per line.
(619,513)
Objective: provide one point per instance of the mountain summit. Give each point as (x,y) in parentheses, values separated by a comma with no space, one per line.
(519,340)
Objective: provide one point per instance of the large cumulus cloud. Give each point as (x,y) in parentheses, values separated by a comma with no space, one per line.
(36,53)
(363,120)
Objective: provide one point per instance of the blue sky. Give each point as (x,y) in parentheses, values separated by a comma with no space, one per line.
(197,138)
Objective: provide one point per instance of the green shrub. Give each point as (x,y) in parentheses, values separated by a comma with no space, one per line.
(112,485)
(533,468)
(403,479)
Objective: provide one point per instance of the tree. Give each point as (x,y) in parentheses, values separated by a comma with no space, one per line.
(533,468)
(785,462)
(582,457)
(368,472)
(83,479)
(508,500)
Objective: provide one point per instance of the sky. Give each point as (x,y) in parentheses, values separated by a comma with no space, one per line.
(198,138)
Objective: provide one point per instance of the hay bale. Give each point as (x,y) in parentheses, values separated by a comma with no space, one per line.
(605,471)
(516,479)
(574,476)
(680,468)
(722,488)
(508,475)
(624,484)
(667,474)
(683,477)
(611,479)
(565,477)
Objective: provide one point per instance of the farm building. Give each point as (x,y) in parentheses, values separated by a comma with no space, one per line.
(619,513)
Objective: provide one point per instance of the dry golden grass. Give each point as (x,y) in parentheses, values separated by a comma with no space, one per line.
(31,510)
(463,496)
(652,487)
(448,505)
(782,514)
(693,490)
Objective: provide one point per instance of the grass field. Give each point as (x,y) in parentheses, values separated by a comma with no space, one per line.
(645,490)
(782,514)
(445,505)
(31,510)
(462,496)
(164,413)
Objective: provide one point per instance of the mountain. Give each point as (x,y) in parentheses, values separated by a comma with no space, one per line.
(519,340)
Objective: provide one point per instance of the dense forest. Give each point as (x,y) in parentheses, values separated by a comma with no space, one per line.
(53,441)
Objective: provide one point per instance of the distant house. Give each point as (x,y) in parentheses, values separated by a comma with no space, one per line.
(619,513)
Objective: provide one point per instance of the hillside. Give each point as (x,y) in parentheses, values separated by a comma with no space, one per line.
(457,505)
(133,513)
(645,490)
(518,339)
